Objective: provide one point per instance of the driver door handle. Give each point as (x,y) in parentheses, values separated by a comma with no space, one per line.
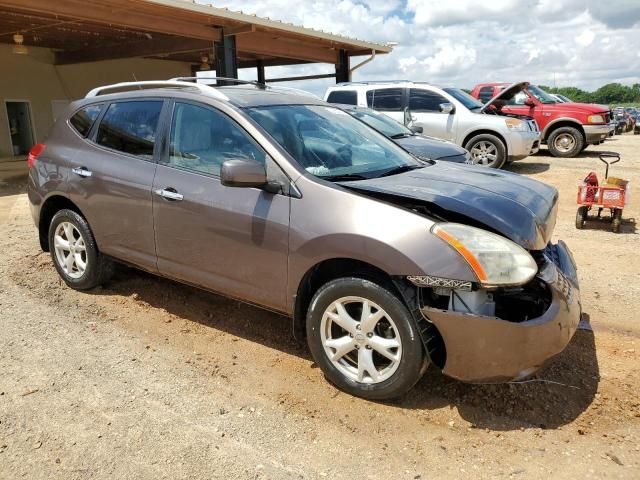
(82,171)
(169,194)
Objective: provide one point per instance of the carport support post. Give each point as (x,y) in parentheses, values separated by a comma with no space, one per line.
(260,68)
(343,73)
(226,57)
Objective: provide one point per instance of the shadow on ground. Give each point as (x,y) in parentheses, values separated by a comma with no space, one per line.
(558,394)
(527,168)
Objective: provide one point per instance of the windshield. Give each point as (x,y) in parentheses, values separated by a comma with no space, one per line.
(541,95)
(384,124)
(464,98)
(331,144)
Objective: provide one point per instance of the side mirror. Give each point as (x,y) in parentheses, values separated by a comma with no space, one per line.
(408,118)
(529,103)
(416,129)
(243,173)
(447,108)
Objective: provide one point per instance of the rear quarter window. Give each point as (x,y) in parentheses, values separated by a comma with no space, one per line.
(347,97)
(83,119)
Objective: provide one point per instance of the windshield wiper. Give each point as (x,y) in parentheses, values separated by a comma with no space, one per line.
(400,135)
(400,169)
(344,177)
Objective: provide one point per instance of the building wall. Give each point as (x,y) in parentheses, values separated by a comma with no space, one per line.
(34,78)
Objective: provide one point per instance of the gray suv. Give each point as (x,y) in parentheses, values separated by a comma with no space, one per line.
(385,263)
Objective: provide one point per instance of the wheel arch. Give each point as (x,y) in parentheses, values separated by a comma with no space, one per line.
(562,122)
(50,207)
(325,271)
(339,267)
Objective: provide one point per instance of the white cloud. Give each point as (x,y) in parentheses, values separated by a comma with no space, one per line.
(585,43)
(585,38)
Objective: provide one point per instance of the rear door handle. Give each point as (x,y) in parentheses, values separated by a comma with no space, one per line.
(82,171)
(169,194)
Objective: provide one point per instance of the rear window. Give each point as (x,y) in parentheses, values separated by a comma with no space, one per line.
(386,99)
(347,97)
(130,127)
(485,94)
(82,120)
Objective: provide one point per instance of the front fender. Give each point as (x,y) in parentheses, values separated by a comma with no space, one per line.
(331,222)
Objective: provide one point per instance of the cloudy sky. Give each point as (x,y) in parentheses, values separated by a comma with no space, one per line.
(584,43)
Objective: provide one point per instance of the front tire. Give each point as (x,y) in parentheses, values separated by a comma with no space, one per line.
(565,142)
(74,252)
(364,339)
(487,150)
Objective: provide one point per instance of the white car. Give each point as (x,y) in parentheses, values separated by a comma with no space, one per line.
(492,138)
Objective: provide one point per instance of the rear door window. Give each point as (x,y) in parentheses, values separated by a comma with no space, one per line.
(83,119)
(130,127)
(347,97)
(386,99)
(425,100)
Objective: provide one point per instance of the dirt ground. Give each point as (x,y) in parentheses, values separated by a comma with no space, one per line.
(146,378)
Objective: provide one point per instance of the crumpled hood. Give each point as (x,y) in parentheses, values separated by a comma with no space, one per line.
(429,147)
(521,209)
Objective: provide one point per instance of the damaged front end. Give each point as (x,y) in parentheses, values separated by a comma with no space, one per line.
(503,333)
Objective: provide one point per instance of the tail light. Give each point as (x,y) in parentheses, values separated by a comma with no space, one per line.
(34,154)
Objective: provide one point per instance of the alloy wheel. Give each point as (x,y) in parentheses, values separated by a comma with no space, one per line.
(361,340)
(484,153)
(70,249)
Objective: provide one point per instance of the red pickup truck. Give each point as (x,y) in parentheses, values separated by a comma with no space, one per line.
(567,128)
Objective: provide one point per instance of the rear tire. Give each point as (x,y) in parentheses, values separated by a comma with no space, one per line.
(565,142)
(581,217)
(74,252)
(377,356)
(487,150)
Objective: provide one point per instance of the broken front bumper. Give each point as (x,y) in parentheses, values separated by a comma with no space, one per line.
(489,349)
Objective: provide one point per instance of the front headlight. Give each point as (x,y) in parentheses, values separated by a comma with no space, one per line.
(515,125)
(495,260)
(595,119)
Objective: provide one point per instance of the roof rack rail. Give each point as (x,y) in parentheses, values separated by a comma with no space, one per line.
(223,79)
(156,84)
(260,85)
(373,82)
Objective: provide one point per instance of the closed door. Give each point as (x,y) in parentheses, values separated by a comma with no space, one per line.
(230,240)
(112,175)
(425,107)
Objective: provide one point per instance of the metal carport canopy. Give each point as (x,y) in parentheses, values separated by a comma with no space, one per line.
(93,30)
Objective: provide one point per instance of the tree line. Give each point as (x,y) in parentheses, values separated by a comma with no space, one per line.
(609,94)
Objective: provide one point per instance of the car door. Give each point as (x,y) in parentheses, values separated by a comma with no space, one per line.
(425,107)
(229,240)
(390,100)
(112,175)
